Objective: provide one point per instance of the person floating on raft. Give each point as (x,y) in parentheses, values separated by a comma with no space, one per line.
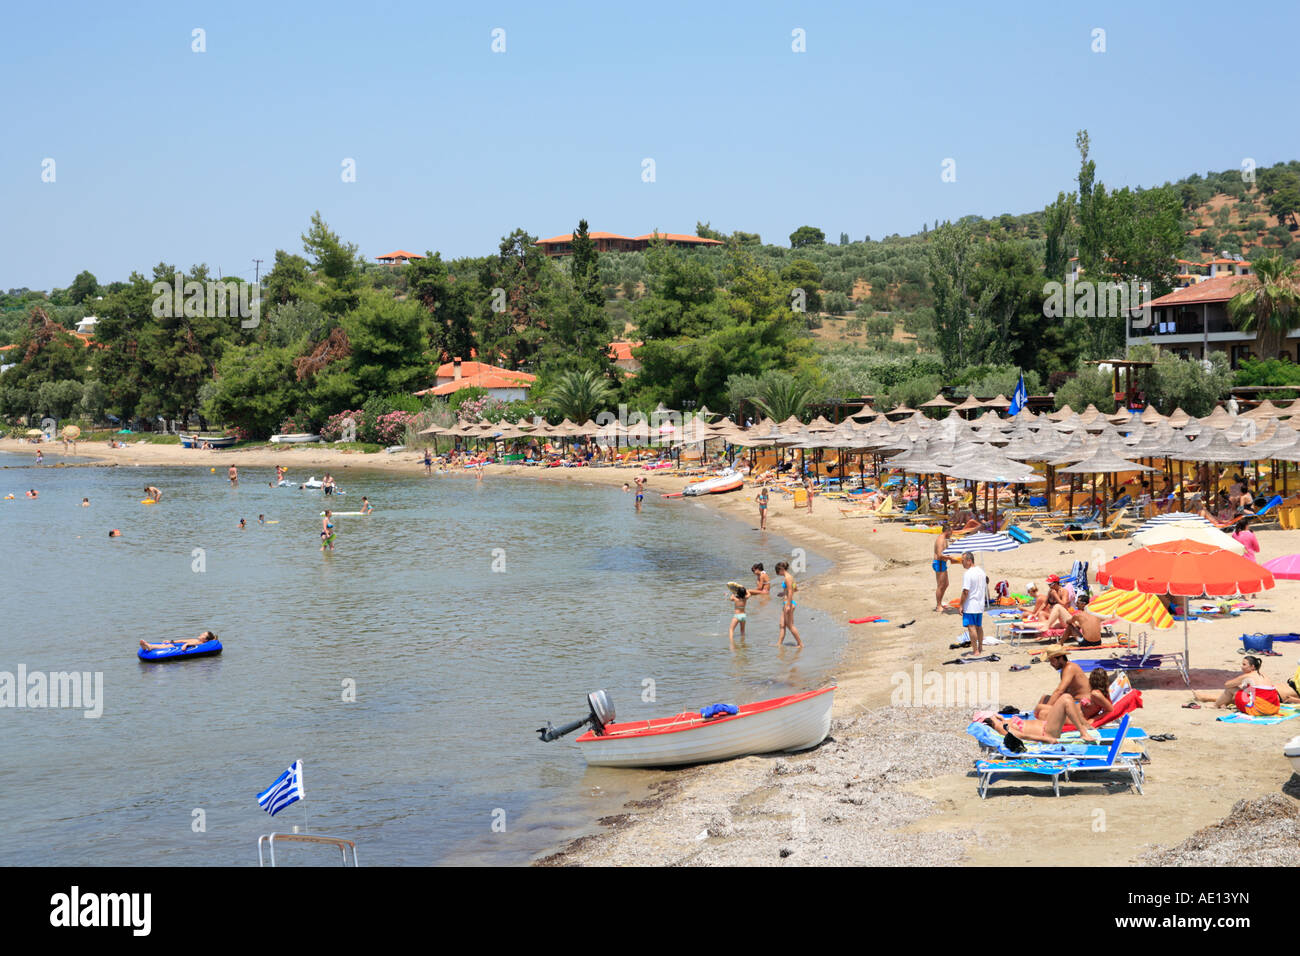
(183,645)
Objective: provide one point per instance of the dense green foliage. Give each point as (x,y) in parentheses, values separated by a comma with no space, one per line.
(963,306)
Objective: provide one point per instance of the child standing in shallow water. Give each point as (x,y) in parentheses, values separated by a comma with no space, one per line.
(738,596)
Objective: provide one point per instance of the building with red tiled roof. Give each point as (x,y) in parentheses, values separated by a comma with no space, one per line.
(505,384)
(1193,322)
(400,257)
(621,353)
(613,242)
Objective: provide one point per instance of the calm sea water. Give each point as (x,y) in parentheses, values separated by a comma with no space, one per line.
(454,663)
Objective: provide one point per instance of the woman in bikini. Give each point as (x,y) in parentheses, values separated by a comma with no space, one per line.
(738,595)
(762,508)
(1048,730)
(764,583)
(1098,700)
(788,603)
(1250,692)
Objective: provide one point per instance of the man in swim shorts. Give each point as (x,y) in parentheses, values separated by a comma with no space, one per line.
(640,491)
(1083,625)
(939,565)
(233,473)
(974,592)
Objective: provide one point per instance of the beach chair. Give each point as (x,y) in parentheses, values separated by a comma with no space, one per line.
(1114,761)
(801,498)
(1095,528)
(1145,660)
(1268,514)
(994,747)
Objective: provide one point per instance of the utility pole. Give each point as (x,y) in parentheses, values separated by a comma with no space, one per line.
(257,273)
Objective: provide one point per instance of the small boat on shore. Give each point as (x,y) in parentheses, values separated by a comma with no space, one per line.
(726,481)
(781,725)
(299,439)
(212,441)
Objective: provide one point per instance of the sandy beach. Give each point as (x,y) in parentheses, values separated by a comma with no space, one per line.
(894,784)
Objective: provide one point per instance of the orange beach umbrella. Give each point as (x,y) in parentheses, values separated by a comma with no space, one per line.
(1187,569)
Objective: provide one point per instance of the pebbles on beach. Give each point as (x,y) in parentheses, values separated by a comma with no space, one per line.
(1262,831)
(842,803)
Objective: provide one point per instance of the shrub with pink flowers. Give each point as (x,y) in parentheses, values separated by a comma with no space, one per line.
(335,425)
(390,429)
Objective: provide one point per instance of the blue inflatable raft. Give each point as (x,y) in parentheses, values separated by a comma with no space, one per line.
(174,652)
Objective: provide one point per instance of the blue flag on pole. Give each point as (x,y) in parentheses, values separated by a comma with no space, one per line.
(287,789)
(1019,397)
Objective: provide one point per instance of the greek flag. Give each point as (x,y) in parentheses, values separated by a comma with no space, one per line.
(1019,397)
(287,789)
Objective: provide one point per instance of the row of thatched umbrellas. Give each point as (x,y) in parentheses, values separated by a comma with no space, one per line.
(991,449)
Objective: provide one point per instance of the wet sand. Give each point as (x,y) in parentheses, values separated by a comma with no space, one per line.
(893,784)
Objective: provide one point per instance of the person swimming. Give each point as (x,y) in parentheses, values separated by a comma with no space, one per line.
(85,502)
(242,524)
(366,507)
(33,493)
(261,519)
(115,533)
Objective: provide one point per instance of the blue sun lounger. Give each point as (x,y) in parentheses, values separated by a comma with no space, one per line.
(988,770)
(1146,661)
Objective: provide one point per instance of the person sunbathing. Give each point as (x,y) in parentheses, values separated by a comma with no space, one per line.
(1046,729)
(1099,701)
(1073,684)
(1250,692)
(966,522)
(1039,611)
(183,645)
(1083,625)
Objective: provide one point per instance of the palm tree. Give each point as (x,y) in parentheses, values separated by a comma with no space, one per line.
(781,395)
(1269,301)
(578,396)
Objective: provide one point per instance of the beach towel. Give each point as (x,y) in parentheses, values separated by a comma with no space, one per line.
(1286,713)
(974,660)
(985,734)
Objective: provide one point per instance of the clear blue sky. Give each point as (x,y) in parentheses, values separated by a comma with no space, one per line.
(220,157)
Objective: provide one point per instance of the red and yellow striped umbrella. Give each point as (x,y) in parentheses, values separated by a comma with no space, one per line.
(1134,607)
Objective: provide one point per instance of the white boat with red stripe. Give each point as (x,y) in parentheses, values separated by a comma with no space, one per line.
(781,725)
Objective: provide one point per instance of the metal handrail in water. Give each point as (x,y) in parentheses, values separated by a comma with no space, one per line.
(270,838)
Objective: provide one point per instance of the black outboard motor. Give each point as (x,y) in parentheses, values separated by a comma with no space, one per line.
(601,712)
